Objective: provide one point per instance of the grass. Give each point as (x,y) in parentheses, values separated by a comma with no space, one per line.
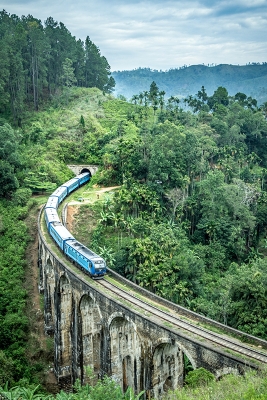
(65,120)
(250,386)
(168,324)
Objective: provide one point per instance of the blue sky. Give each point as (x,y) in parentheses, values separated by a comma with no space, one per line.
(161,34)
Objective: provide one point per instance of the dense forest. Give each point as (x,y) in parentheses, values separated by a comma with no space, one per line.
(190,216)
(188,220)
(184,81)
(37,59)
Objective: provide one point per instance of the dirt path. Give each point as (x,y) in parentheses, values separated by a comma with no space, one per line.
(70,219)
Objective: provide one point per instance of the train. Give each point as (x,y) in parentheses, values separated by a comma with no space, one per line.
(80,255)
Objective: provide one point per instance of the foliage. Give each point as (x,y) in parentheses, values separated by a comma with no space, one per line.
(21,197)
(13,322)
(21,392)
(248,297)
(6,369)
(202,385)
(230,387)
(41,59)
(199,377)
(104,389)
(9,160)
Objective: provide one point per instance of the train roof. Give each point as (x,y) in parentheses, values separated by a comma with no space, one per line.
(62,231)
(68,183)
(52,202)
(52,214)
(59,191)
(83,174)
(84,250)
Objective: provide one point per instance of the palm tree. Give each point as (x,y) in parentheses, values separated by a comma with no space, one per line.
(19,393)
(141,96)
(146,94)
(134,99)
(108,255)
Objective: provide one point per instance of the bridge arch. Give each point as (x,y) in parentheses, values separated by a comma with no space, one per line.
(125,352)
(190,357)
(49,269)
(226,371)
(185,351)
(167,366)
(118,314)
(89,335)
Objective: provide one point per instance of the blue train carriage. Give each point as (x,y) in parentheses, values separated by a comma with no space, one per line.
(60,234)
(93,264)
(51,215)
(60,193)
(84,177)
(52,202)
(71,185)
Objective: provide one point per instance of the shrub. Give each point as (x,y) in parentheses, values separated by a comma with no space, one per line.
(199,377)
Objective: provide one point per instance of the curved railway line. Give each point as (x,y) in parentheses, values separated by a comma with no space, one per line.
(176,322)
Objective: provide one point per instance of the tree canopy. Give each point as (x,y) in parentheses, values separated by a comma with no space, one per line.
(36,60)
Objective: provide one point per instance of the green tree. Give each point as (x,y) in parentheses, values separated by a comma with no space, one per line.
(8,180)
(4,74)
(97,69)
(68,78)
(167,157)
(226,213)
(9,161)
(202,95)
(163,262)
(249,297)
(62,45)
(9,145)
(109,87)
(6,369)
(38,51)
(220,96)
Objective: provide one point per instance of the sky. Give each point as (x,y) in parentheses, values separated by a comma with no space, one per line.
(160,34)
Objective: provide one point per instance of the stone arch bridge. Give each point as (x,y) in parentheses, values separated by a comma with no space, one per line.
(92,328)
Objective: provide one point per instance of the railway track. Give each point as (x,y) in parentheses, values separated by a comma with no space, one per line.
(175,321)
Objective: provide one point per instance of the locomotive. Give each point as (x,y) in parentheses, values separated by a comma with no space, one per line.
(84,258)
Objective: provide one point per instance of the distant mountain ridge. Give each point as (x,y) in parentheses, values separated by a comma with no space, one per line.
(249,79)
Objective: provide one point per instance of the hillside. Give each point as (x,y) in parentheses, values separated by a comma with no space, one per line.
(192,206)
(248,79)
